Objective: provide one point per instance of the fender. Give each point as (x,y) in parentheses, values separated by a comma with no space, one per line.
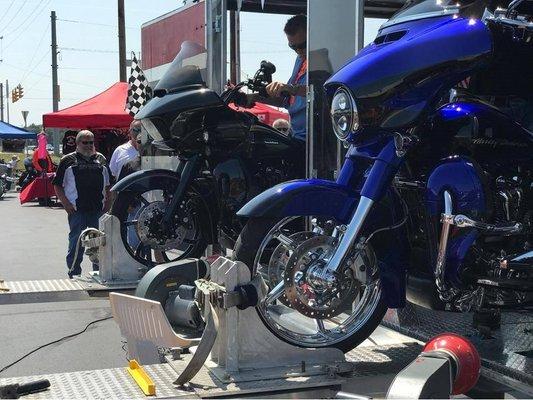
(303,197)
(320,197)
(141,181)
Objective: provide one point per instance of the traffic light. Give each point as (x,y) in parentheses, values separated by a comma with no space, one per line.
(20,92)
(14,95)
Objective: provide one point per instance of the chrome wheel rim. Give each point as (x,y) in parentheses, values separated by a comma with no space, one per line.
(303,331)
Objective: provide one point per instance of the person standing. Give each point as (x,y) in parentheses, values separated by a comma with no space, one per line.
(126,152)
(290,95)
(293,93)
(82,186)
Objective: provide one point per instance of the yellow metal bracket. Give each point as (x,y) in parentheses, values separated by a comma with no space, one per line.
(3,287)
(141,378)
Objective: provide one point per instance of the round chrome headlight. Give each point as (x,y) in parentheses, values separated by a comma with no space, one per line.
(344,116)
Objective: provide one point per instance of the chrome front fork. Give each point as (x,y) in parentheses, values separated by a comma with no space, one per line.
(349,237)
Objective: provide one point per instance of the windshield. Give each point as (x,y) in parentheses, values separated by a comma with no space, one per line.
(188,68)
(415,10)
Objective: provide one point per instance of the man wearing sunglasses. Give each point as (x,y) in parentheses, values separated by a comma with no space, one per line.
(82,185)
(126,152)
(291,95)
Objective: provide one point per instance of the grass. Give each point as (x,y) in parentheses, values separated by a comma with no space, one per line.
(22,156)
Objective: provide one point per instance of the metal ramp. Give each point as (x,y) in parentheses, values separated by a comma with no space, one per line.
(373,368)
(51,290)
(507,355)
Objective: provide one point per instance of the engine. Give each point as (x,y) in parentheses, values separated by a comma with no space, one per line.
(502,264)
(510,203)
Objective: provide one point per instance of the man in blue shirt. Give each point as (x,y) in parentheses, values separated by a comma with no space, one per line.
(295,102)
(291,95)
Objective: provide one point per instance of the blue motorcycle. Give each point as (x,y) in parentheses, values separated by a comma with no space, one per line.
(434,201)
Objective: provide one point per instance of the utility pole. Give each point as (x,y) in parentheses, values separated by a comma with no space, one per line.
(121,42)
(2,102)
(7,100)
(55,87)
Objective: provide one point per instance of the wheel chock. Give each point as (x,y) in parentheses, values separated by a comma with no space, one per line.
(3,287)
(141,378)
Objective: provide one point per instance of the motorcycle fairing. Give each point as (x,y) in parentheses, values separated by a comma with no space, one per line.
(393,83)
(185,100)
(461,178)
(142,181)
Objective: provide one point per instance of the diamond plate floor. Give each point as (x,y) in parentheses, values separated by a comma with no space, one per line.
(116,383)
(509,351)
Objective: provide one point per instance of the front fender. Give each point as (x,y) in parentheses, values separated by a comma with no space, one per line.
(303,197)
(144,180)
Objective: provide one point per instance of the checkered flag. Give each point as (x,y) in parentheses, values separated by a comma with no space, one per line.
(139,92)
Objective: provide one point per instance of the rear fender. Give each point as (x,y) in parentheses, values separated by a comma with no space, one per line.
(143,180)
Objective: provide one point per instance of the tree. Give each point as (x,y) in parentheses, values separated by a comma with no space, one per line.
(34,128)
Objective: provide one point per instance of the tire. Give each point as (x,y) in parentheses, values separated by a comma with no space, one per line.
(246,248)
(144,253)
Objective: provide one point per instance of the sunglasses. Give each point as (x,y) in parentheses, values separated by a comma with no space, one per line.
(87,142)
(299,46)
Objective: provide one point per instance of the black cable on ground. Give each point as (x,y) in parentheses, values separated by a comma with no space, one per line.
(55,341)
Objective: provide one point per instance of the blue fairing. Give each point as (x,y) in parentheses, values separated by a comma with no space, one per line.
(303,197)
(395,82)
(460,177)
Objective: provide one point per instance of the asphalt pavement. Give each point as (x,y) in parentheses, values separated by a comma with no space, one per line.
(33,244)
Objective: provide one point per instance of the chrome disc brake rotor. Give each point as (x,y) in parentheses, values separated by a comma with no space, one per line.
(308,291)
(280,256)
(150,229)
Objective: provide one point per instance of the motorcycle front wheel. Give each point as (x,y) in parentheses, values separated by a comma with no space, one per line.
(143,234)
(298,308)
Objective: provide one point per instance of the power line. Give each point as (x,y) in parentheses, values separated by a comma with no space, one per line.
(35,53)
(36,65)
(27,18)
(16,13)
(49,76)
(9,8)
(87,50)
(93,23)
(31,22)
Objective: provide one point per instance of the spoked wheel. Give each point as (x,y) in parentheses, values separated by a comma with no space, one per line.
(144,235)
(304,306)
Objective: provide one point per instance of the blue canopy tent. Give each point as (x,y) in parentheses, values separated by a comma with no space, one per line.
(8,131)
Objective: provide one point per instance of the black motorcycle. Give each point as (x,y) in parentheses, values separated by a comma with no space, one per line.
(226,157)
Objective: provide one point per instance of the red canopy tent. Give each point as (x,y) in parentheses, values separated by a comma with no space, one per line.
(103,111)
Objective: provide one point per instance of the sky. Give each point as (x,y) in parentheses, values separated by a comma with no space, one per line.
(88,47)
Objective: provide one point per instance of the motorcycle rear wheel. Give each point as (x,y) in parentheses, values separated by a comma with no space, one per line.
(129,207)
(356,323)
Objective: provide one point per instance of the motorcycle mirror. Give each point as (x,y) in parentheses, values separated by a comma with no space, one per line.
(267,67)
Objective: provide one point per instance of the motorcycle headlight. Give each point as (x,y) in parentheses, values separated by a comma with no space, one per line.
(344,116)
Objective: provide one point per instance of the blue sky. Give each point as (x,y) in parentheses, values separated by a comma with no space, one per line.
(88,43)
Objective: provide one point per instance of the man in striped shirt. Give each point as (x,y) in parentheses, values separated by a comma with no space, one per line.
(82,185)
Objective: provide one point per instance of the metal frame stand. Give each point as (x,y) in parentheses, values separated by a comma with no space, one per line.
(117,266)
(235,346)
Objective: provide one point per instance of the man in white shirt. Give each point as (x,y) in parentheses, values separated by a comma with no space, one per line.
(127,151)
